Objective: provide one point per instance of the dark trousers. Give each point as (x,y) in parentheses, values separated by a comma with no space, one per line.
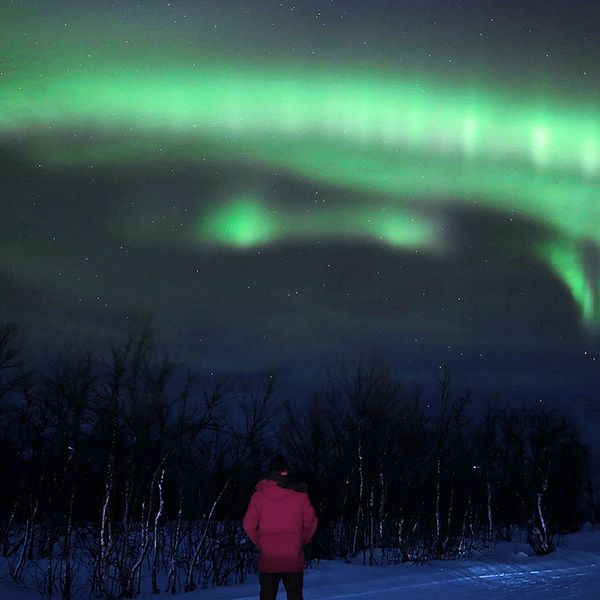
(292,582)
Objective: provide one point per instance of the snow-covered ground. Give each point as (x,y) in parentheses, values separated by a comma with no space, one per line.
(506,571)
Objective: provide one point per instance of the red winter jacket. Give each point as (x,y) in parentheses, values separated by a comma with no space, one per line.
(280,521)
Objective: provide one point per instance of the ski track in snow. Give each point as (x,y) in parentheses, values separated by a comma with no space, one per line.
(565,583)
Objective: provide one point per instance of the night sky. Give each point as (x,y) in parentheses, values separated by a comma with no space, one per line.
(280,184)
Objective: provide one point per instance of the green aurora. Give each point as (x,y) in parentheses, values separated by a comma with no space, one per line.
(410,144)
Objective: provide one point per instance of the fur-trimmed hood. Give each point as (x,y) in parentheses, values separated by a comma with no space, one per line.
(285,482)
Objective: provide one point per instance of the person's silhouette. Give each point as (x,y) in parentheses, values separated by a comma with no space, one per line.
(280,521)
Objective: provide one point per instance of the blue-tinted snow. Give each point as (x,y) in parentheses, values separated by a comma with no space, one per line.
(507,570)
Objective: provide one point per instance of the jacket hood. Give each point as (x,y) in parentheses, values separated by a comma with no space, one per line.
(274,484)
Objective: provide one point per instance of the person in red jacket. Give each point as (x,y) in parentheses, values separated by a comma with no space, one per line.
(280,521)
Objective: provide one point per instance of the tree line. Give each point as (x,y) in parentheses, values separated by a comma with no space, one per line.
(125,471)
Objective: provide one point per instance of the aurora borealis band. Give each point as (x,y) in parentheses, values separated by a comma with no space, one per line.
(204,138)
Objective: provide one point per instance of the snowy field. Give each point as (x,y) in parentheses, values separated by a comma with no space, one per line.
(506,571)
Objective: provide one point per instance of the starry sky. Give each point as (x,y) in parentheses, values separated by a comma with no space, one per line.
(281,184)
